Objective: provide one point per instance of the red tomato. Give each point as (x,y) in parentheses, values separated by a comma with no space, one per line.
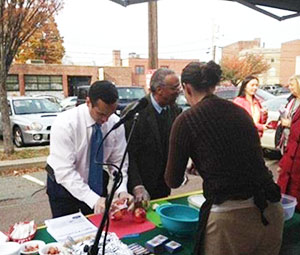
(118,215)
(139,215)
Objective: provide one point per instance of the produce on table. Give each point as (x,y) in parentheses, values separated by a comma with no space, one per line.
(31,248)
(139,215)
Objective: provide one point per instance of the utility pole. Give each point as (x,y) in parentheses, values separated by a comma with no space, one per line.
(214,52)
(213,41)
(153,38)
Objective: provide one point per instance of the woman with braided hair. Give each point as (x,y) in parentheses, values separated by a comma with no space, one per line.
(242,213)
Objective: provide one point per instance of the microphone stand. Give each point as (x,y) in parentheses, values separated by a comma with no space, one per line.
(94,249)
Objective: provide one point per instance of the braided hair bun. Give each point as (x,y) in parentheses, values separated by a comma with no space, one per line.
(202,76)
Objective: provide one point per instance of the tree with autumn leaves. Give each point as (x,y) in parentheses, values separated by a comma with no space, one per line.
(19,20)
(236,69)
(46,44)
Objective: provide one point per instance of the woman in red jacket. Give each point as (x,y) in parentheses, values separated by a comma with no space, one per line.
(247,100)
(289,165)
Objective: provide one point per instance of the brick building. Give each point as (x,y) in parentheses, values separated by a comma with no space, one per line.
(272,56)
(139,66)
(284,62)
(289,53)
(63,80)
(60,80)
(237,47)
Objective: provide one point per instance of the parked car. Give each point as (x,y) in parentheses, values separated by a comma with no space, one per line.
(263,95)
(68,103)
(182,102)
(283,90)
(128,94)
(82,93)
(51,98)
(31,119)
(273,89)
(230,92)
(273,106)
(226,92)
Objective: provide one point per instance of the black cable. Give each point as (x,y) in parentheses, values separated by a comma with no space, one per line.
(93,250)
(105,236)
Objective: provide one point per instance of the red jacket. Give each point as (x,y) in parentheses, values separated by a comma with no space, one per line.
(244,103)
(289,178)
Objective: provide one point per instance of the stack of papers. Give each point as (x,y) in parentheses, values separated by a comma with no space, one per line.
(74,225)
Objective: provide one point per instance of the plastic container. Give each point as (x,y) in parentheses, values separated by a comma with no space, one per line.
(180,220)
(58,247)
(23,240)
(289,204)
(196,201)
(35,246)
(9,248)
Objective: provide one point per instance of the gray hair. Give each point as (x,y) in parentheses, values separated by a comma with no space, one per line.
(158,78)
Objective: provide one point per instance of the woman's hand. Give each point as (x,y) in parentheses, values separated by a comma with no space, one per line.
(265,126)
(285,122)
(279,170)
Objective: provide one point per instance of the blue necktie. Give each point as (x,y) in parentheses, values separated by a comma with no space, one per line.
(95,172)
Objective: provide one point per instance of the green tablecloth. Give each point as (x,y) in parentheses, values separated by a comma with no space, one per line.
(290,244)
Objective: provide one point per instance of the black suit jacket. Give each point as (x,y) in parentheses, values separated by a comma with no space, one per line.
(147,161)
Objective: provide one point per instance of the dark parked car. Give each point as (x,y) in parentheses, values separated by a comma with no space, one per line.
(82,93)
(128,94)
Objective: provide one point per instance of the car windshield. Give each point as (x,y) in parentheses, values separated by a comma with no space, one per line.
(227,94)
(131,93)
(33,106)
(264,94)
(275,104)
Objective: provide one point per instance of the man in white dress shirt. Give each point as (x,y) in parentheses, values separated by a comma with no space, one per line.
(68,164)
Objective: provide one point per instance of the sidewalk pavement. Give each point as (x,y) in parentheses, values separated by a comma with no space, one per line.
(23,163)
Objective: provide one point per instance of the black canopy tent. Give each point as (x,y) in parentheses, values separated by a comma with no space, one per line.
(288,5)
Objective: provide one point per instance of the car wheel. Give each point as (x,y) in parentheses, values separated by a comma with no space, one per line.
(18,137)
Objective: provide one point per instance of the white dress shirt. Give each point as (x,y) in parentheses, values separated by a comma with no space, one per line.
(156,106)
(70,151)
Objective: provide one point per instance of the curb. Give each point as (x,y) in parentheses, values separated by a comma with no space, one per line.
(23,163)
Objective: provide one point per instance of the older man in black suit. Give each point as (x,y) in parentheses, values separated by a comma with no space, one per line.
(148,148)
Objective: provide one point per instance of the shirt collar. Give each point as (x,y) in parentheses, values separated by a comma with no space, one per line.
(156,106)
(89,120)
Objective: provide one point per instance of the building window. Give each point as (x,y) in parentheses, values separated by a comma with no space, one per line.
(164,67)
(12,83)
(139,69)
(43,82)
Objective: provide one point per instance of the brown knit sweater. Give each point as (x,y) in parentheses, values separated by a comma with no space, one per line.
(224,145)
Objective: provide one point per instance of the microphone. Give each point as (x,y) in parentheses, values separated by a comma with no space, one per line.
(138,106)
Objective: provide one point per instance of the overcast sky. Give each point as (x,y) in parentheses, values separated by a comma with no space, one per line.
(186,28)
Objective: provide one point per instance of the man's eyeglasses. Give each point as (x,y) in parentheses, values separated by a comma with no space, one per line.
(172,87)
